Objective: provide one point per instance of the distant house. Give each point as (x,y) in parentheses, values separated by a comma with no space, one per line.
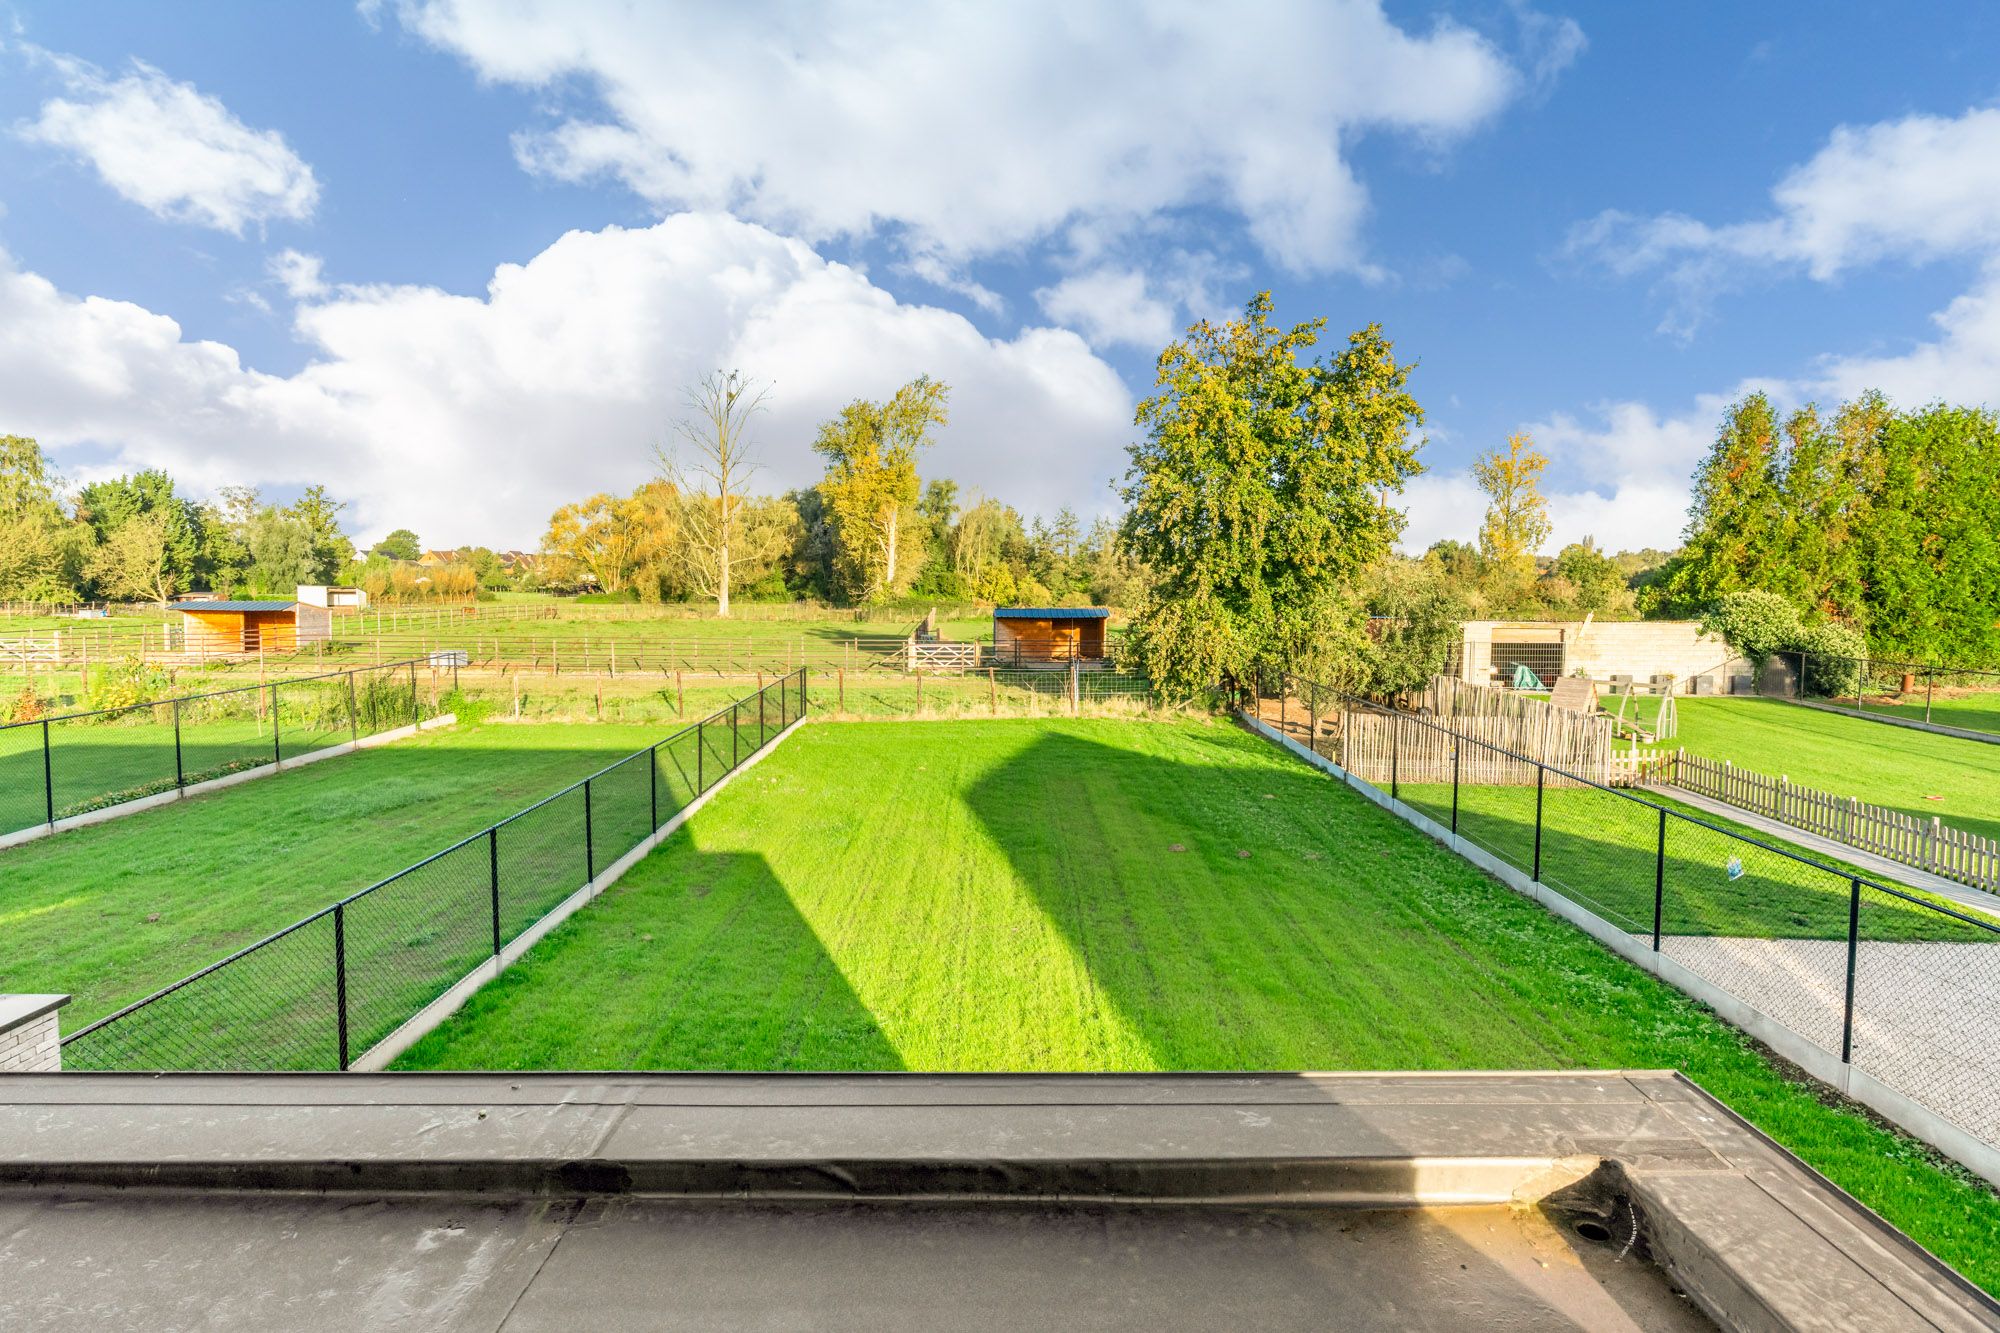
(223,627)
(519,562)
(333,598)
(433,559)
(1046,635)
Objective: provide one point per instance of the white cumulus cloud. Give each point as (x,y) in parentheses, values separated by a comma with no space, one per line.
(173,150)
(471,417)
(976,128)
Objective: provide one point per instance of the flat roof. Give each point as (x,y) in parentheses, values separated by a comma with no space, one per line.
(934,1202)
(237,606)
(1050,613)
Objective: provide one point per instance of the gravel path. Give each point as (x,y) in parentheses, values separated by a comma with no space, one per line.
(1926,1013)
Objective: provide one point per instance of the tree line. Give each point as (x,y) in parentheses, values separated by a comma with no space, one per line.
(137,538)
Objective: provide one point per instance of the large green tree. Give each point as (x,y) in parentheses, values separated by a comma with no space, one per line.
(1258,495)
(871,487)
(1735,536)
(42,552)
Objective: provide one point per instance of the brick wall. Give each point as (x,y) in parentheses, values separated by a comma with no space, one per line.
(29,1033)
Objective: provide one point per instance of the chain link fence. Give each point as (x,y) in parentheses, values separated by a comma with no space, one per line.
(57,767)
(319,993)
(1901,985)
(1963,698)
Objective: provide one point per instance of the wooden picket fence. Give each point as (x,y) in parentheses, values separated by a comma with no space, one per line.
(1927,844)
(1497,742)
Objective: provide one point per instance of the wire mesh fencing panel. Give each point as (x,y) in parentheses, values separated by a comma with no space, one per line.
(224,733)
(23,773)
(677,759)
(541,858)
(1600,848)
(322,992)
(621,809)
(102,759)
(1926,1006)
(313,715)
(409,938)
(386,697)
(273,1006)
(1497,811)
(1769,928)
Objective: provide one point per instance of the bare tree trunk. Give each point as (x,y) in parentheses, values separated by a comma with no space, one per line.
(889,570)
(722,566)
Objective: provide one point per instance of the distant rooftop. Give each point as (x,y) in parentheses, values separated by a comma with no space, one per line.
(237,606)
(1051,613)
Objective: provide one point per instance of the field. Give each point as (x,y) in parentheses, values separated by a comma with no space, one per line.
(111,912)
(1912,771)
(1091,895)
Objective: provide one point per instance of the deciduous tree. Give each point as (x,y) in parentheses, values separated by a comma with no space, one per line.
(1259,493)
(712,475)
(871,483)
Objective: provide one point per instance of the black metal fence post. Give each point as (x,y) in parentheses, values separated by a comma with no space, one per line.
(180,769)
(760,719)
(802,691)
(589,843)
(653,783)
(493,881)
(1659,878)
(1456,744)
(700,754)
(1541,773)
(277,754)
(736,730)
(353,711)
(1395,756)
(1853,948)
(48,774)
(416,713)
(340,975)
(1930,688)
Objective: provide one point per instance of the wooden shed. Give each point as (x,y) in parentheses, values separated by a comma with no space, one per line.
(1035,635)
(222,627)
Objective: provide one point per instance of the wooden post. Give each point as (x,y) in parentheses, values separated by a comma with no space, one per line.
(840,685)
(517,696)
(920,690)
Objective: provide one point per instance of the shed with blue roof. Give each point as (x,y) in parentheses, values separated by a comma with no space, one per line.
(1039,635)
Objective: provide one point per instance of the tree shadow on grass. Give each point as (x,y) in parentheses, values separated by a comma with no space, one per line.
(695,961)
(1318,949)
(1235,912)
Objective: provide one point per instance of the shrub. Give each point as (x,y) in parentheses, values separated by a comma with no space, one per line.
(125,683)
(1755,624)
(1833,655)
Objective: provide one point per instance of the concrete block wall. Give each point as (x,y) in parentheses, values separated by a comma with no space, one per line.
(1637,648)
(30,1036)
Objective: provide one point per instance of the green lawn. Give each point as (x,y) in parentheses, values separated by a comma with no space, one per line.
(111,912)
(1968,711)
(1086,895)
(1602,849)
(1849,756)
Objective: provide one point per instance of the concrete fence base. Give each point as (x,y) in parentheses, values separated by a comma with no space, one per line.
(1829,1068)
(133,807)
(425,1020)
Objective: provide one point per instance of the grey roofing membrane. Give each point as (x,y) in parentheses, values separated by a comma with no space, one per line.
(484,1201)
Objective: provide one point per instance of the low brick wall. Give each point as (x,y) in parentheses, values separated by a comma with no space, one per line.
(29,1034)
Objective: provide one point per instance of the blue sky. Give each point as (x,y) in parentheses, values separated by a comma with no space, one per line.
(455,260)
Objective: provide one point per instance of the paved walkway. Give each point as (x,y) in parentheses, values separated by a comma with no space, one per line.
(1914,724)
(1977,900)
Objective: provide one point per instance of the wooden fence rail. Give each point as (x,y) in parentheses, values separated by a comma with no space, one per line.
(1927,844)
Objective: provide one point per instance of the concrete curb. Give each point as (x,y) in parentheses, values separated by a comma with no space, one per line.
(1972,1152)
(143,803)
(1934,728)
(425,1020)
